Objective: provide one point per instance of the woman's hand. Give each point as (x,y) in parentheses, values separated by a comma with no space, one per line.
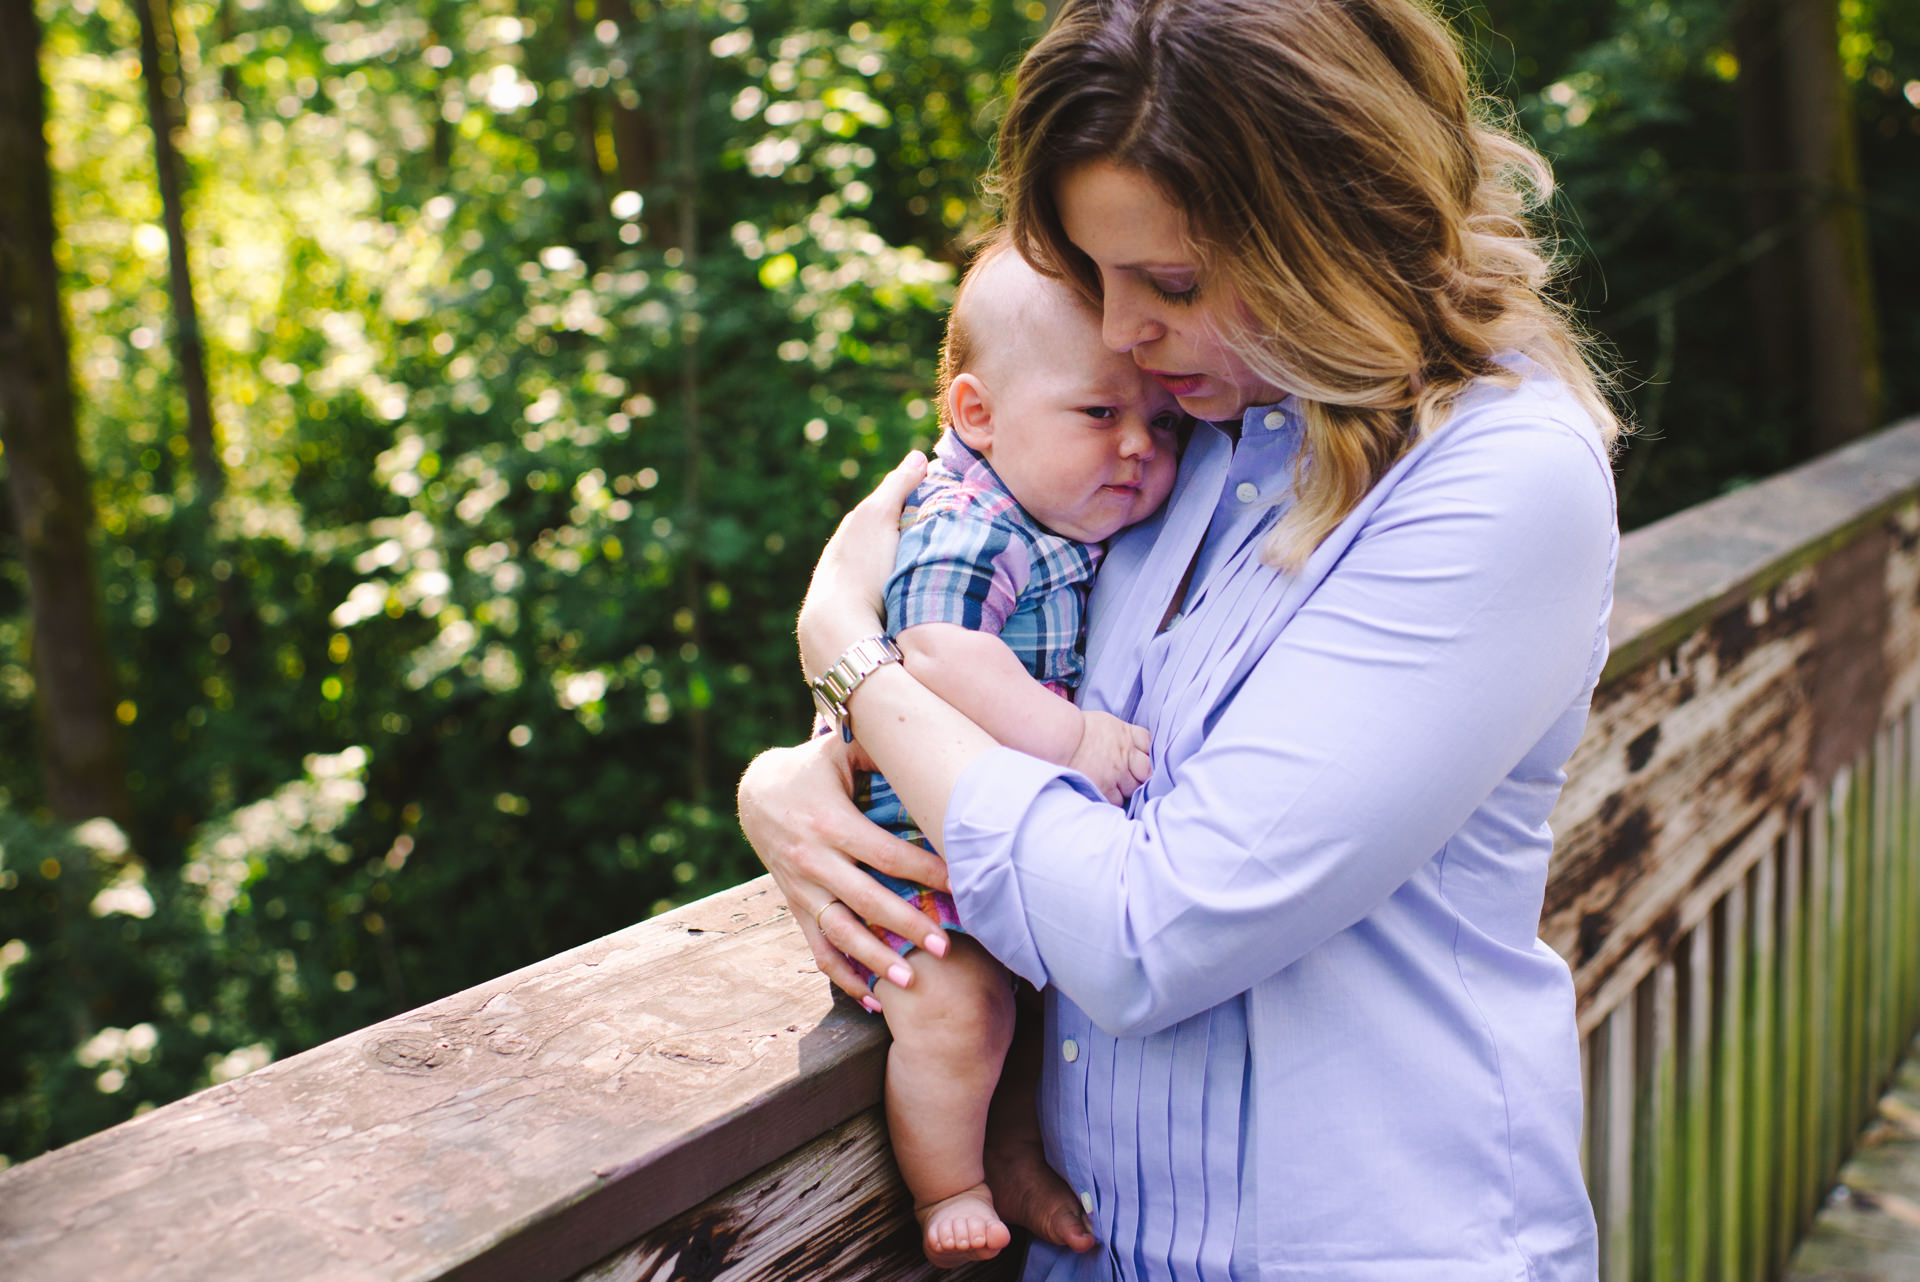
(797,812)
(847,598)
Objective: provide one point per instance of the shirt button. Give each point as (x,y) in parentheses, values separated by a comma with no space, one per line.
(1086,1201)
(1070,1050)
(1274,420)
(1246,492)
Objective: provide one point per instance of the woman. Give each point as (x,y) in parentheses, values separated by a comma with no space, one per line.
(1298,1023)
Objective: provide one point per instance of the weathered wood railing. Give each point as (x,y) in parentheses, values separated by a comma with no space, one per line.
(1737,887)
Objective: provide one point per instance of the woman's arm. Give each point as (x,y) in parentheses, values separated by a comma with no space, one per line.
(984,680)
(900,723)
(1450,635)
(795,804)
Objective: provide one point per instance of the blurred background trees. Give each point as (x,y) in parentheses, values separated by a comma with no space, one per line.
(540,344)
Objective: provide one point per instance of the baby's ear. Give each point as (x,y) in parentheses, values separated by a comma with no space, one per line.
(970,414)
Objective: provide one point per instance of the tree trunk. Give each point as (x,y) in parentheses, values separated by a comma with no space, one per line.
(688,209)
(1769,206)
(160,66)
(80,737)
(586,130)
(638,148)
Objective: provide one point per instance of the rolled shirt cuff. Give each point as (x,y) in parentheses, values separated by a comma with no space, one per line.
(990,802)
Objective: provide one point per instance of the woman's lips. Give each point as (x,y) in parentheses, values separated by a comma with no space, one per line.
(1177,384)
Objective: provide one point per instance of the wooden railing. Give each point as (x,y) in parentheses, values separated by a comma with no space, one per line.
(1736,887)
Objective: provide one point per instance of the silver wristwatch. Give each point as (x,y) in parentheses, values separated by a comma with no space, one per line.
(837,684)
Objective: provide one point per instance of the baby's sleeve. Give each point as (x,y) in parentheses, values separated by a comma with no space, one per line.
(956,566)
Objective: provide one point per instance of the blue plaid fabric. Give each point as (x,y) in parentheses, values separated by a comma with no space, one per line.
(970,555)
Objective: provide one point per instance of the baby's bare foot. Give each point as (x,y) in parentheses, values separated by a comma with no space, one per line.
(1035,1197)
(960,1228)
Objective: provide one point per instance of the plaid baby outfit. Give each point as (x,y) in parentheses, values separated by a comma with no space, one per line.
(970,555)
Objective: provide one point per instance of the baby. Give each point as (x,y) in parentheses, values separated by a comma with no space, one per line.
(1053,443)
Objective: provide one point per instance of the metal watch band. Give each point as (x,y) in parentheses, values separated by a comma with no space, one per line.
(836,685)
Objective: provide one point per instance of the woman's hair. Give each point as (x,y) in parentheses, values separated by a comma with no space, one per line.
(1340,178)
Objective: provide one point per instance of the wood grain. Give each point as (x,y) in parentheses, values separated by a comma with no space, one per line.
(833,1212)
(521,1129)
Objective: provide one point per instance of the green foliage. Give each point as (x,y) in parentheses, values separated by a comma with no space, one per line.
(546,341)
(1637,104)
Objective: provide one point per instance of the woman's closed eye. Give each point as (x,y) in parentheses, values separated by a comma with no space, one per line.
(1180,293)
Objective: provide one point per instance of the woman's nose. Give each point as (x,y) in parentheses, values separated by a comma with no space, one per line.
(1124,325)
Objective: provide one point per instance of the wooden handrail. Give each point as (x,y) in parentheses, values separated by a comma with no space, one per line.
(1735,881)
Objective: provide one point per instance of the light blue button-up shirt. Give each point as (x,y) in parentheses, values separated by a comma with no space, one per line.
(1299,1022)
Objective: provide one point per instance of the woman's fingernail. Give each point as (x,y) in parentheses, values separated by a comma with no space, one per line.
(872,1006)
(901,974)
(935,945)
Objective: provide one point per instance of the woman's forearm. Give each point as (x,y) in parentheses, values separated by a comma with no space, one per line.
(919,741)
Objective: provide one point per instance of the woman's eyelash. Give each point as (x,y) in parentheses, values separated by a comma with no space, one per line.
(1190,294)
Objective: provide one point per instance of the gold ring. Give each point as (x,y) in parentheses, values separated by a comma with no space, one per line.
(818,912)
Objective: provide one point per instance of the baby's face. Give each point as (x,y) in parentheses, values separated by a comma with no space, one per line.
(1082,439)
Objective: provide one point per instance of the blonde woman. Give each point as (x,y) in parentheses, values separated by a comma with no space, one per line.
(1298,1022)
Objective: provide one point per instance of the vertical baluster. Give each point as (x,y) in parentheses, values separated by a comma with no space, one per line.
(1814,1000)
(1827,907)
(1616,1229)
(1909,926)
(1854,1090)
(1589,1101)
(1774,1122)
(1880,962)
(1662,1226)
(1907,923)
(1734,1119)
(1696,1099)
(1903,926)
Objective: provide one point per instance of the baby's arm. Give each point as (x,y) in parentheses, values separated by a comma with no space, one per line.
(980,676)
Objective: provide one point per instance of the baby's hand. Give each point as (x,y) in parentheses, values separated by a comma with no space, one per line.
(1113,754)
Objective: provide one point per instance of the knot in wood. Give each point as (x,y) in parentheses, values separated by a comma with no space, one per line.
(415,1054)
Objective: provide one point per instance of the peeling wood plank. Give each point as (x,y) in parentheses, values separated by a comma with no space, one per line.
(835,1211)
(1677,573)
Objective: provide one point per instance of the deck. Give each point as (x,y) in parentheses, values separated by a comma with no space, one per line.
(1869,1228)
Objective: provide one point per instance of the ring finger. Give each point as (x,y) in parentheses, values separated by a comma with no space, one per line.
(841,927)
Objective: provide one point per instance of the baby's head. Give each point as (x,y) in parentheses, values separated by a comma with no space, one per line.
(1081,438)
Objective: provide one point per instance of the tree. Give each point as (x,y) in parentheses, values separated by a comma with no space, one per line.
(160,68)
(52,502)
(1810,281)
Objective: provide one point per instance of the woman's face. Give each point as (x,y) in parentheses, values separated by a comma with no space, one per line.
(1155,307)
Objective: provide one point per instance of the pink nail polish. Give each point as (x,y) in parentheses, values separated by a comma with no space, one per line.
(901,974)
(872,1006)
(935,944)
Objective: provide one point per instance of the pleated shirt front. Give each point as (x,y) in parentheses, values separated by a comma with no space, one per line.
(1299,1022)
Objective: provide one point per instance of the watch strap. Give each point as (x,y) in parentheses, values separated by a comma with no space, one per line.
(832,688)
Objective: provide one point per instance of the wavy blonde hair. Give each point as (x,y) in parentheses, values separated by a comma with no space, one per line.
(1341,180)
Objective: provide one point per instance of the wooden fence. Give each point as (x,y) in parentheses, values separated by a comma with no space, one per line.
(1736,886)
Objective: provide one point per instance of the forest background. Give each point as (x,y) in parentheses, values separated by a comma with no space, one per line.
(463,389)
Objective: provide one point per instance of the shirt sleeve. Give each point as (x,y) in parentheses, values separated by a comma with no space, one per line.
(1453,631)
(958,566)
